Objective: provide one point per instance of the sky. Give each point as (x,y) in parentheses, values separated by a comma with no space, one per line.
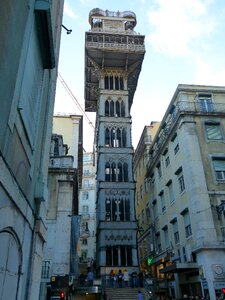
(184,41)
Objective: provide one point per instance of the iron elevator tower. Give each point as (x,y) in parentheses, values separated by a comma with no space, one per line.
(114,53)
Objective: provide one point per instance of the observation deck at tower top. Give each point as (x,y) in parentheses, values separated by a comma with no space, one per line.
(111,45)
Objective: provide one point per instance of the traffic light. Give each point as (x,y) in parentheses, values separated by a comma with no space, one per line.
(223,291)
(62,295)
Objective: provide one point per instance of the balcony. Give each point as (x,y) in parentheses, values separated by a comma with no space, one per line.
(130,44)
(84,233)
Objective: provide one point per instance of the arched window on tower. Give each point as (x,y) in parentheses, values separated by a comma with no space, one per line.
(107,108)
(111,82)
(125,172)
(127,210)
(108,209)
(113,172)
(106,82)
(120,172)
(121,83)
(107,172)
(114,210)
(118,138)
(124,137)
(117,108)
(117,83)
(122,109)
(107,137)
(111,109)
(113,137)
(121,209)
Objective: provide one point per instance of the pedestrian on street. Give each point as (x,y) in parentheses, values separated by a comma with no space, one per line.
(104,296)
(140,296)
(90,278)
(126,278)
(120,278)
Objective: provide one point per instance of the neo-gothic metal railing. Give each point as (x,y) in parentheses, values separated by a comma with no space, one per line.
(115,46)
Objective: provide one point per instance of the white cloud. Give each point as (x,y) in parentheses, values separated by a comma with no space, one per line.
(69,12)
(177,25)
(209,74)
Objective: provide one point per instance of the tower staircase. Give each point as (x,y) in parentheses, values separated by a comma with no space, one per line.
(125,293)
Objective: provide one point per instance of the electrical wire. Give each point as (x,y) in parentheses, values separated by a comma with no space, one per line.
(66,87)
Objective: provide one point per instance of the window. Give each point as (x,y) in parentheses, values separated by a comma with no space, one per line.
(181,183)
(85,209)
(159,168)
(213,131)
(86,183)
(158,242)
(170,191)
(155,209)
(175,231)
(141,192)
(176,146)
(187,223)
(116,172)
(117,209)
(219,167)
(205,102)
(163,202)
(167,161)
(180,176)
(85,196)
(84,242)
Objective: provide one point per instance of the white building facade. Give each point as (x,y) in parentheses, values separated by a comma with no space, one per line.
(87,213)
(186,174)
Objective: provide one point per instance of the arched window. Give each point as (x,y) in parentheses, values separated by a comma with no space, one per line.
(107,172)
(122,109)
(107,137)
(121,83)
(113,137)
(108,209)
(118,138)
(111,109)
(113,172)
(117,108)
(125,172)
(107,108)
(127,210)
(120,172)
(121,209)
(114,210)
(106,82)
(111,82)
(116,83)
(124,137)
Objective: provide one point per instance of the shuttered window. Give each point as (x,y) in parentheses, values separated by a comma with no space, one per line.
(213,131)
(219,167)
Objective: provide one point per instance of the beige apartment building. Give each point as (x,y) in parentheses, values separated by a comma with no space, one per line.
(186,175)
(142,208)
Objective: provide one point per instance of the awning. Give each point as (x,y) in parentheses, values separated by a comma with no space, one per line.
(180,267)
